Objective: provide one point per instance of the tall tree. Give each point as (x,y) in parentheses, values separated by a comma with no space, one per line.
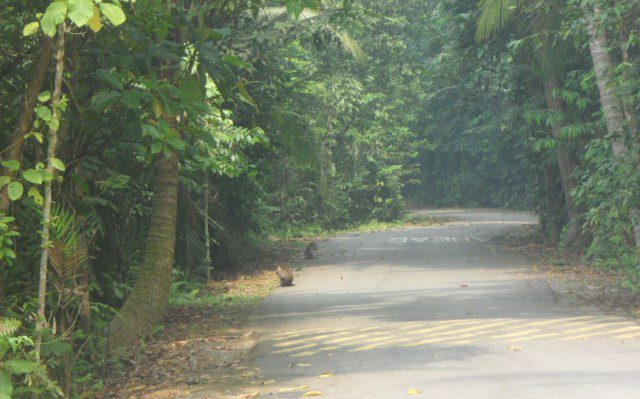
(543,21)
(146,305)
(612,106)
(25,118)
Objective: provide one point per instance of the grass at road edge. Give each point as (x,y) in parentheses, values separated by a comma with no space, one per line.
(413,219)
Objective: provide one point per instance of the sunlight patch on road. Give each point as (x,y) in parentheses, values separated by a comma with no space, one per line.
(451,333)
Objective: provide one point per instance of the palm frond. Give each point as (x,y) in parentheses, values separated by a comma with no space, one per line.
(351,46)
(494,16)
(315,20)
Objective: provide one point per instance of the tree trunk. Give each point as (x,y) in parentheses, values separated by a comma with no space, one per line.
(25,118)
(566,163)
(627,108)
(207,238)
(147,303)
(46,207)
(611,104)
(555,204)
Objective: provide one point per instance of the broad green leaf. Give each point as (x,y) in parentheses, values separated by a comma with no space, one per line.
(104,99)
(191,91)
(6,388)
(43,113)
(58,164)
(113,13)
(54,124)
(20,366)
(156,147)
(157,108)
(11,164)
(44,96)
(244,95)
(4,180)
(15,190)
(95,22)
(151,131)
(235,61)
(56,13)
(176,143)
(30,28)
(32,176)
(35,194)
(80,11)
(131,100)
(110,78)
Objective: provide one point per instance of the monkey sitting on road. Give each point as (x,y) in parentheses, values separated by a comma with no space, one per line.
(286,276)
(308,252)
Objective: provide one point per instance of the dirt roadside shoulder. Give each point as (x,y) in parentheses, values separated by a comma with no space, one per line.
(572,281)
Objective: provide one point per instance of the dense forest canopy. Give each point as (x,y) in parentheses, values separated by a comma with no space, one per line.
(146,139)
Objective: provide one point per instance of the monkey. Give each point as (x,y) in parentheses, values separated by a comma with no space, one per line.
(286,276)
(308,252)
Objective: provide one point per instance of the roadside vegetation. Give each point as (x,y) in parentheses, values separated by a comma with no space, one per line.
(153,149)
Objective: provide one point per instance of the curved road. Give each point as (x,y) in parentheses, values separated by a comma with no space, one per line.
(441,311)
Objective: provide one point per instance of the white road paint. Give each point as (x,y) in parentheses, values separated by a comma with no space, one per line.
(404,240)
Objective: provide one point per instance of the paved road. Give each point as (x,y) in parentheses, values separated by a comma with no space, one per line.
(443,311)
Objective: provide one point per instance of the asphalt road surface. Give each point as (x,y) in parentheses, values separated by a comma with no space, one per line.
(442,311)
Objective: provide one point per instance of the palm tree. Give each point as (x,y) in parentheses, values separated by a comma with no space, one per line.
(540,22)
(147,303)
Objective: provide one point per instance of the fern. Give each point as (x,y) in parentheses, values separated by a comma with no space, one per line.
(8,326)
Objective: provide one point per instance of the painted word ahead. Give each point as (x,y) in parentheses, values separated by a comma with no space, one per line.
(404,240)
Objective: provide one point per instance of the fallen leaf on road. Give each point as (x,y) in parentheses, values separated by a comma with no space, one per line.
(313,393)
(414,391)
(515,348)
(300,388)
(251,395)
(325,375)
(464,286)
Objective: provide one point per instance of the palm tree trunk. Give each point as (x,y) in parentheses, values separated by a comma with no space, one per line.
(611,104)
(25,118)
(566,162)
(147,303)
(52,147)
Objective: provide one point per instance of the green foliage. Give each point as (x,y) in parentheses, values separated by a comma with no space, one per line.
(298,118)
(19,374)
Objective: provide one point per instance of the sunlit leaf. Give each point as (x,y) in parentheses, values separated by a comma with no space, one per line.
(30,28)
(15,190)
(80,11)
(95,22)
(11,164)
(113,13)
(56,13)
(58,164)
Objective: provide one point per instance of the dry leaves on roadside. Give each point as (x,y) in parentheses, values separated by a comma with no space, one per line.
(414,391)
(313,393)
(325,375)
(300,388)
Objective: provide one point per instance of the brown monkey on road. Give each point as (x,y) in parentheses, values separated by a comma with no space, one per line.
(286,276)
(308,252)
